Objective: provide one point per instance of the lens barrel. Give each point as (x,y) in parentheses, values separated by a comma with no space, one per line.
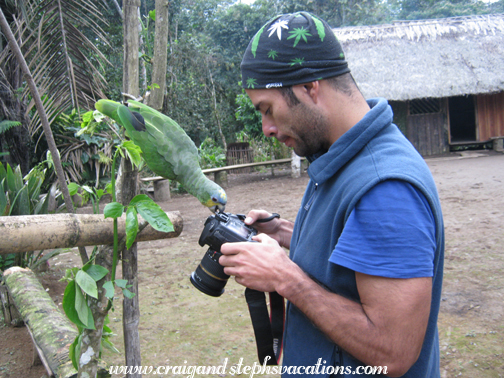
(209,276)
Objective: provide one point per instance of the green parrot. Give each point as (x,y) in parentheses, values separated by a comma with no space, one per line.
(166,149)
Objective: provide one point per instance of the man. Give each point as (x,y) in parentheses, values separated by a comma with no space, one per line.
(363,281)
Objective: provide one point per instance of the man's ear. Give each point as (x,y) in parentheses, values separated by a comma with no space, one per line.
(311,90)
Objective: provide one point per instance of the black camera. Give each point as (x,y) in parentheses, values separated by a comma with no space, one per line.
(220,228)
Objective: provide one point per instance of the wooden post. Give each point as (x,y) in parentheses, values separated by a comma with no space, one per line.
(161,190)
(296,165)
(221,178)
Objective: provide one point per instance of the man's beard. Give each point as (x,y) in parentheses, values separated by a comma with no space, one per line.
(311,131)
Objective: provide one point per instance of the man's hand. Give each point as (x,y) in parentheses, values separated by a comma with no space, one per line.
(259,266)
(278,229)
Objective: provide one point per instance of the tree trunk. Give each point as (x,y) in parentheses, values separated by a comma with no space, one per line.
(131,47)
(43,232)
(160,55)
(51,331)
(129,187)
(216,110)
(131,307)
(142,77)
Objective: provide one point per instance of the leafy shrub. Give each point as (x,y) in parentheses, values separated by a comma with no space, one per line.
(264,148)
(211,155)
(21,196)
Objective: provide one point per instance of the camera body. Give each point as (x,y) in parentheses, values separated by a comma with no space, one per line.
(220,228)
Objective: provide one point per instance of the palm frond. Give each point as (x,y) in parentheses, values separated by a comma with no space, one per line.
(65,64)
(6,125)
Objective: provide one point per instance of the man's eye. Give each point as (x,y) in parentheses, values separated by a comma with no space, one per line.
(267,112)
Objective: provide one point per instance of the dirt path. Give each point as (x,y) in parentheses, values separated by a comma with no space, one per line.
(181,326)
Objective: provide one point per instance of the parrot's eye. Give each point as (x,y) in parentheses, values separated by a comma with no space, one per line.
(214,199)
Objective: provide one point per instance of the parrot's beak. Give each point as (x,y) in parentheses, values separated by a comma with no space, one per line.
(217,208)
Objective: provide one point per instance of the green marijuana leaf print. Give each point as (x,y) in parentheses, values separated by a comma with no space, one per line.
(299,33)
(299,61)
(320,28)
(251,83)
(272,54)
(255,42)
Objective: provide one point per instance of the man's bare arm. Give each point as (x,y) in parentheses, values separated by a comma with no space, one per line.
(386,329)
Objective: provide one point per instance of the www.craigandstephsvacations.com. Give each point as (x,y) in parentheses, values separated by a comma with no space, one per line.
(191,371)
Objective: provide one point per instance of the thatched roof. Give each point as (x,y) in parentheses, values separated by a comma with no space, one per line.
(427,58)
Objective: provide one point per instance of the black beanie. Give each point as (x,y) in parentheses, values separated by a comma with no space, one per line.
(292,49)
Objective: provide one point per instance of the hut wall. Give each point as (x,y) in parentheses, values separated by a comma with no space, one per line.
(239,153)
(490,116)
(427,126)
(400,109)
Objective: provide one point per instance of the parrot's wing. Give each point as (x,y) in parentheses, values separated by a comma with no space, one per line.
(167,149)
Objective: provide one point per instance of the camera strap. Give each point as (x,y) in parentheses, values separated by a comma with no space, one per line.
(268,327)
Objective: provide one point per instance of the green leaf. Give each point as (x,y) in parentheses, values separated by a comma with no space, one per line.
(11,180)
(108,188)
(69,304)
(22,202)
(96,272)
(86,283)
(152,15)
(87,117)
(4,208)
(83,310)
(133,151)
(74,352)
(139,198)
(107,344)
(73,188)
(131,226)
(121,283)
(113,210)
(154,215)
(127,293)
(109,287)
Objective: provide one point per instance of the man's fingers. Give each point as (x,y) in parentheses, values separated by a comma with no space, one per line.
(264,239)
(254,215)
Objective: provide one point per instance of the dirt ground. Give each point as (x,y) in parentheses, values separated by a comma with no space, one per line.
(182,327)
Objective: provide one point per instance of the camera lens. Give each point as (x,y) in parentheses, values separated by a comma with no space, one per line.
(209,276)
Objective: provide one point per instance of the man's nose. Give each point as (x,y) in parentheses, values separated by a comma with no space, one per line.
(268,128)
